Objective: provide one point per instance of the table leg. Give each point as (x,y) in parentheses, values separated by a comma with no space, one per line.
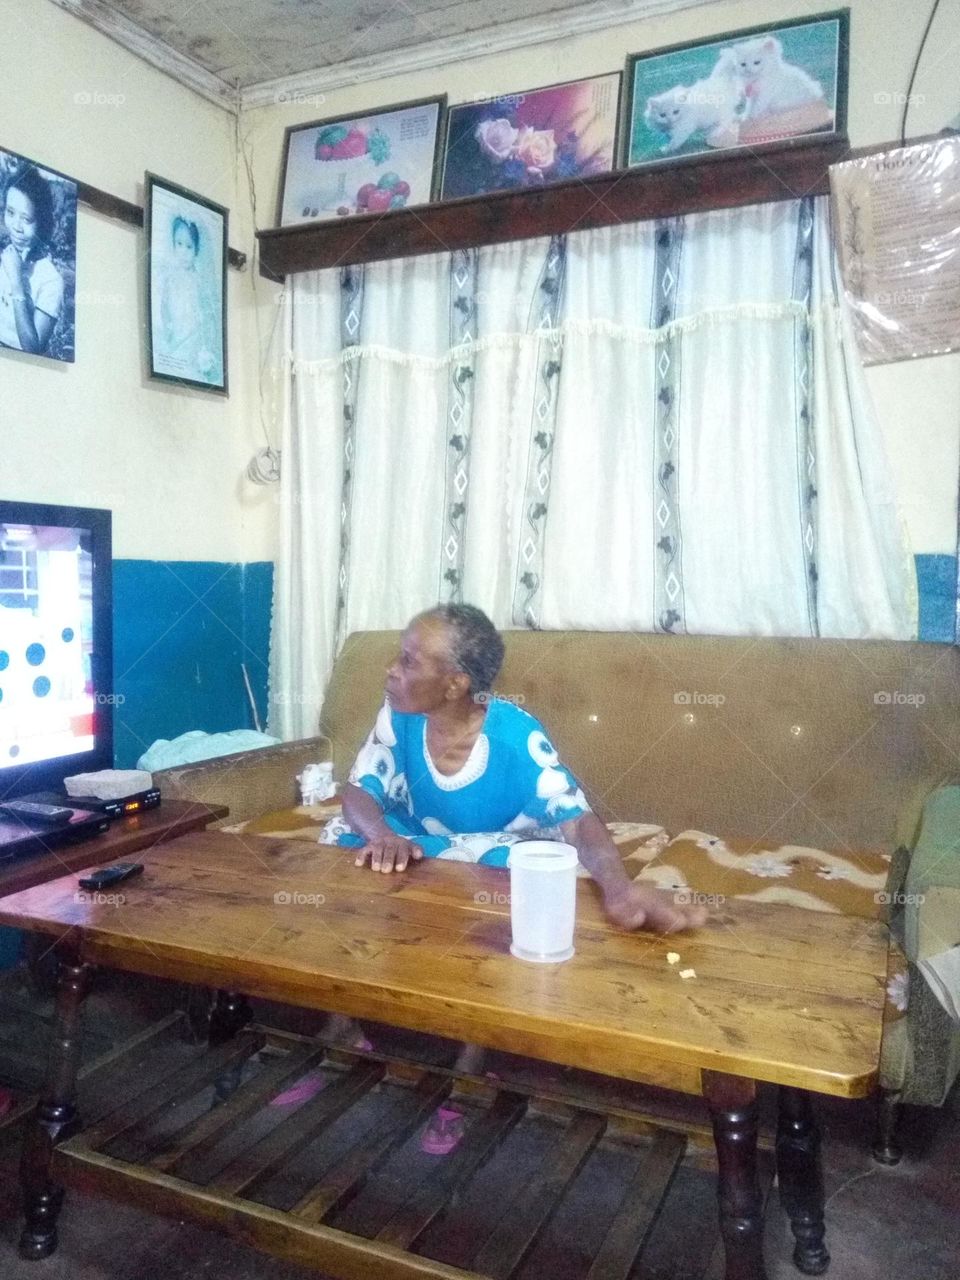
(56,1116)
(230,1014)
(801,1179)
(733,1109)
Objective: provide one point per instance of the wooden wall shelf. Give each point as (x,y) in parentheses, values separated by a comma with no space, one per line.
(630,195)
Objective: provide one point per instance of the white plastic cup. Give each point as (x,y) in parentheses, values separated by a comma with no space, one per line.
(543,900)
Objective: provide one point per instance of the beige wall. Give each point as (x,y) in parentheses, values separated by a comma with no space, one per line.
(170,461)
(99,432)
(919,401)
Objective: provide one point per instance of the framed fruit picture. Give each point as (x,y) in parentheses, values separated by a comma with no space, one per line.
(385,159)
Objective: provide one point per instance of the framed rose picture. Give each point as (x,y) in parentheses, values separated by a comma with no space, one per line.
(533,138)
(780,83)
(186,286)
(369,163)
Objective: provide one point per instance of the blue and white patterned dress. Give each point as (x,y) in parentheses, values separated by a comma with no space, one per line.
(512,787)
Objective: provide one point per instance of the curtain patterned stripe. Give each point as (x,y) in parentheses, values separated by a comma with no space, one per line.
(351,318)
(463,332)
(528,586)
(669,611)
(803,400)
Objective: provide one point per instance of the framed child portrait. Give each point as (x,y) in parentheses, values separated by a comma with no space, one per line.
(38,258)
(370,163)
(775,84)
(532,139)
(186,286)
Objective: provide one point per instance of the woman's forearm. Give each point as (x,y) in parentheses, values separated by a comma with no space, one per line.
(23,315)
(364,814)
(597,852)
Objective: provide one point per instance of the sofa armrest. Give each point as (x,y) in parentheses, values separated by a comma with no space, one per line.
(248,782)
(935,862)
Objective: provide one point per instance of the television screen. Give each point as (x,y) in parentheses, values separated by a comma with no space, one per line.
(54,642)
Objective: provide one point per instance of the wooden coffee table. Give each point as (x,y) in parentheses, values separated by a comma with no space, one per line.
(761,993)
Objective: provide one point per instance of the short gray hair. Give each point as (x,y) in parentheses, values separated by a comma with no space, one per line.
(476,646)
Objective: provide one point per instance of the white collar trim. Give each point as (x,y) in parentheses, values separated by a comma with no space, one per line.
(473,767)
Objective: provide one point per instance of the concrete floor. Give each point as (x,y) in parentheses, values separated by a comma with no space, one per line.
(883,1224)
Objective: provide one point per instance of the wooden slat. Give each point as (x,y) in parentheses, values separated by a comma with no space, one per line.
(183,1083)
(347,1176)
(321,1248)
(501,1255)
(111,1063)
(482,1138)
(198,1138)
(252,1167)
(115,1060)
(635,1219)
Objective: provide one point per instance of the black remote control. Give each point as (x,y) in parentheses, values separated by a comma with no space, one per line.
(104,877)
(28,811)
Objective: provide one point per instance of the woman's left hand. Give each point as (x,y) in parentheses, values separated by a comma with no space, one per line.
(635,906)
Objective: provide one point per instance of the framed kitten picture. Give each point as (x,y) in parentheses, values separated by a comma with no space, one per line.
(781,83)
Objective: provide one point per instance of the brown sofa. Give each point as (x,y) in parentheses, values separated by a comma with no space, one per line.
(782,767)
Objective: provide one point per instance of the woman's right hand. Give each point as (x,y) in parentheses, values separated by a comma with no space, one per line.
(391,853)
(12,267)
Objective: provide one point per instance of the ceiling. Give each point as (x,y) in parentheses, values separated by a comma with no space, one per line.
(245,50)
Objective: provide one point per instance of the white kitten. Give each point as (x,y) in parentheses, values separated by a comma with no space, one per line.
(771,83)
(710,106)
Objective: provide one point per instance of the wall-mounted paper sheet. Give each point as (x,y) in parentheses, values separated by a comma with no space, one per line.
(897,219)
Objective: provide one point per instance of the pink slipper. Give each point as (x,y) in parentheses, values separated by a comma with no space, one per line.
(444,1133)
(306,1087)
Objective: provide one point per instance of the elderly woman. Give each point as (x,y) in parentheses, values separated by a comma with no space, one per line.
(450,771)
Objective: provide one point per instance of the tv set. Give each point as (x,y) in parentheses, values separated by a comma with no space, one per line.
(56,645)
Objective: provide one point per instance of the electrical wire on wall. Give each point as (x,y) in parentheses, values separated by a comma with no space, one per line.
(264,466)
(914,69)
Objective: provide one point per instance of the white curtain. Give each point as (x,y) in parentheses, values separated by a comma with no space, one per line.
(657,426)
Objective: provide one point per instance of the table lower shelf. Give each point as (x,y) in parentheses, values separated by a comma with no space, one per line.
(338,1181)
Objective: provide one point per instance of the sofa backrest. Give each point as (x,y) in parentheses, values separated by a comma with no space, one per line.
(829,743)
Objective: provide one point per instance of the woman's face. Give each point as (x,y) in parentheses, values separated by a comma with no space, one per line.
(19,218)
(183,248)
(419,677)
